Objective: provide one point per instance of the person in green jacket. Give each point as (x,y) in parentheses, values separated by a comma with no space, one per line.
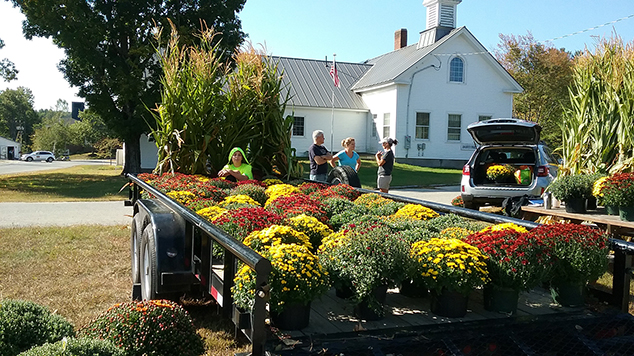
(238,168)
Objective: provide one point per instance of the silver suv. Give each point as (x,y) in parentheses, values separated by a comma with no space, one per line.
(506,141)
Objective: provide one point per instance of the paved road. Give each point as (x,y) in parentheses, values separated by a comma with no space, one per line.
(64,214)
(115,213)
(14,167)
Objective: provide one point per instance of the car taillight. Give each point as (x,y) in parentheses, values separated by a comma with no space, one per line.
(542,171)
(465,170)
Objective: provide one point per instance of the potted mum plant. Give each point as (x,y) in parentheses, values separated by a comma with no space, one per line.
(500,173)
(516,262)
(618,191)
(451,269)
(369,259)
(296,279)
(573,190)
(579,254)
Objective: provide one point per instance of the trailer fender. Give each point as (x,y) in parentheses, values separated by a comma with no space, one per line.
(173,260)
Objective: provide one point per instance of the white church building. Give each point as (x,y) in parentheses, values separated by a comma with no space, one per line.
(424,94)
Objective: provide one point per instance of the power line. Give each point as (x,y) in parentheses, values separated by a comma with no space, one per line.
(590,29)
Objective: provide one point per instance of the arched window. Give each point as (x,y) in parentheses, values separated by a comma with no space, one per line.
(456,70)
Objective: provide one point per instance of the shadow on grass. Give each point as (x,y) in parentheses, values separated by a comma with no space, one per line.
(73,186)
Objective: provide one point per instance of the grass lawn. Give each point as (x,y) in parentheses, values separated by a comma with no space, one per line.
(404,175)
(78,183)
(81,271)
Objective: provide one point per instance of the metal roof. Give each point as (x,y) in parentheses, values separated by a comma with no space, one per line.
(310,83)
(390,65)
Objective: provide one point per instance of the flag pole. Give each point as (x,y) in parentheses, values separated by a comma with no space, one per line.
(332,115)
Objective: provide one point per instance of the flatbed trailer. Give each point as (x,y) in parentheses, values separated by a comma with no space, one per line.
(172,254)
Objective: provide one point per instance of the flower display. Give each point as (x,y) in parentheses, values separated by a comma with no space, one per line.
(147,177)
(579,252)
(457,201)
(598,186)
(576,186)
(238,199)
(275,235)
(280,190)
(296,277)
(255,191)
(310,187)
(211,213)
(516,259)
(500,171)
(221,183)
(312,227)
(250,182)
(271,181)
(455,232)
(416,211)
(339,190)
(297,204)
(618,190)
(371,200)
(504,226)
(151,327)
(365,259)
(338,205)
(184,197)
(450,264)
(241,222)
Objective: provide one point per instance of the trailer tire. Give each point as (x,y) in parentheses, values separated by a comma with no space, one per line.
(148,264)
(344,175)
(135,247)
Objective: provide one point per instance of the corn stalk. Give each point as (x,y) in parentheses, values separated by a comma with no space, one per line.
(597,130)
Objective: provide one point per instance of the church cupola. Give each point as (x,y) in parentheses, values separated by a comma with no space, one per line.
(441,13)
(441,19)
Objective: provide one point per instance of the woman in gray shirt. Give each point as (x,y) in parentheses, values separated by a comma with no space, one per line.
(386,163)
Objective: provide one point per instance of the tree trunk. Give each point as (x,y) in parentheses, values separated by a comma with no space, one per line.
(132,154)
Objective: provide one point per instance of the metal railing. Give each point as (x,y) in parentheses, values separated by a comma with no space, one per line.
(234,249)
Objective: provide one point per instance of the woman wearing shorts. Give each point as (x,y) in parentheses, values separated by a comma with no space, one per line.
(385,160)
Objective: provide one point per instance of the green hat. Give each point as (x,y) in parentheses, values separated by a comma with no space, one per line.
(244,156)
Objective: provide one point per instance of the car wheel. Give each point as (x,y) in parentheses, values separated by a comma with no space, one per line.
(472,205)
(29,159)
(344,175)
(148,264)
(49,160)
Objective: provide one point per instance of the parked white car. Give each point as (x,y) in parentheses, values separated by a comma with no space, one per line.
(38,156)
(511,142)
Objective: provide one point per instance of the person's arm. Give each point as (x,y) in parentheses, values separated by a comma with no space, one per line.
(356,166)
(323,158)
(379,158)
(334,160)
(237,175)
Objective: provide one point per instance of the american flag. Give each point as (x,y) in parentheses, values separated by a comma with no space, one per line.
(333,73)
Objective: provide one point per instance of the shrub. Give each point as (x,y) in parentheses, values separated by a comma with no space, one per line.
(276,235)
(256,192)
(296,277)
(154,327)
(76,347)
(337,205)
(572,187)
(338,220)
(25,324)
(297,204)
(416,211)
(241,222)
(309,225)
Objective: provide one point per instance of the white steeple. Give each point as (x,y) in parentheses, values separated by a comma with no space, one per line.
(441,13)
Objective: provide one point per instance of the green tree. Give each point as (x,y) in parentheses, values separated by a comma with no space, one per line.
(53,134)
(545,74)
(7,68)
(110,51)
(89,129)
(17,116)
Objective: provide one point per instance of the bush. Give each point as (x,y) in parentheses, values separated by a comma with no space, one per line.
(24,324)
(154,327)
(572,187)
(76,347)
(256,192)
(337,205)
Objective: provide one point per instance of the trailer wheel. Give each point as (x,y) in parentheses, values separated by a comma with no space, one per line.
(135,247)
(344,175)
(148,264)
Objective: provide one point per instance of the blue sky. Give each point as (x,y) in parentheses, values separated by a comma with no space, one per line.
(355,30)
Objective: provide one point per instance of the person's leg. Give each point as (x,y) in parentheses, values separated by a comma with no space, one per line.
(383,183)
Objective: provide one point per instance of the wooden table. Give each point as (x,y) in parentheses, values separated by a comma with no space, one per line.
(611,223)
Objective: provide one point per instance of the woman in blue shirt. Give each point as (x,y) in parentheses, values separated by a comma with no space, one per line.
(347,156)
